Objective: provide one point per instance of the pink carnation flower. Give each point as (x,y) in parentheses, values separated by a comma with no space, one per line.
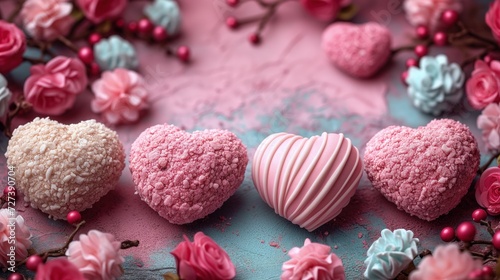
(446,262)
(428,12)
(22,237)
(96,255)
(483,87)
(119,95)
(47,19)
(488,190)
(58,269)
(312,261)
(489,123)
(52,88)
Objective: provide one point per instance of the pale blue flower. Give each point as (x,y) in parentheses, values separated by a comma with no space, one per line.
(436,86)
(165,13)
(115,52)
(390,254)
(5,96)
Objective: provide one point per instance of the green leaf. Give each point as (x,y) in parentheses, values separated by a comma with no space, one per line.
(348,12)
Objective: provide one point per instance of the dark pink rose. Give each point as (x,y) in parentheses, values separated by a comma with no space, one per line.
(325,10)
(12,46)
(202,259)
(100,10)
(483,87)
(493,19)
(52,88)
(488,190)
(58,269)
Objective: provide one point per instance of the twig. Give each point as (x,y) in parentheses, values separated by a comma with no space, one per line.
(475,242)
(21,105)
(129,244)
(473,58)
(67,43)
(487,224)
(34,60)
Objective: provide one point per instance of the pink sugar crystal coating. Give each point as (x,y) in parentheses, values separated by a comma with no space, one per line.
(358,50)
(424,171)
(186,176)
(60,168)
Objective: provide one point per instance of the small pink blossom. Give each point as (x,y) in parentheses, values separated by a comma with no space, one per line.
(100,10)
(52,88)
(313,261)
(22,237)
(324,10)
(96,255)
(119,95)
(47,19)
(58,269)
(483,87)
(493,19)
(202,259)
(488,190)
(12,46)
(428,12)
(489,123)
(446,262)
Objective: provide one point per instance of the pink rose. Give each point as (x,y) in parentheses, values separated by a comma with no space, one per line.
(428,12)
(493,19)
(488,190)
(47,19)
(23,238)
(52,88)
(12,46)
(489,123)
(96,255)
(120,95)
(100,10)
(312,261)
(446,262)
(484,84)
(58,269)
(325,10)
(202,259)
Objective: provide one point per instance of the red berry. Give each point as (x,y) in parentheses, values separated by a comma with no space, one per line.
(232,3)
(487,270)
(159,34)
(254,38)
(15,276)
(132,26)
(440,39)
(466,231)
(478,215)
(145,26)
(10,191)
(449,17)
(496,240)
(94,70)
(183,53)
(94,38)
(232,22)
(422,32)
(120,23)
(74,217)
(411,62)
(86,55)
(404,76)
(447,234)
(421,50)
(33,262)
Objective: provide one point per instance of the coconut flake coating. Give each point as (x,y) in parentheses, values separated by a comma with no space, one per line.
(186,176)
(424,171)
(60,168)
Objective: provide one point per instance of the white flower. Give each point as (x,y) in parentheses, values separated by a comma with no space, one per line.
(5,96)
(165,13)
(115,52)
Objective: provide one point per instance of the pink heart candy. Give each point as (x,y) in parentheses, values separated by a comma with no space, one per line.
(186,176)
(307,181)
(358,50)
(424,171)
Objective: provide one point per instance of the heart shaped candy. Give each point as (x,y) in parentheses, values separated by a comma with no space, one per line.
(307,181)
(358,50)
(424,171)
(186,176)
(60,168)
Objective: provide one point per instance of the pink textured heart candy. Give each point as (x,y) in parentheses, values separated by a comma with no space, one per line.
(186,176)
(307,181)
(424,171)
(358,50)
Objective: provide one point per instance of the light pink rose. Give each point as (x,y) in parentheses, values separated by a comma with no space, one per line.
(428,12)
(100,10)
(22,237)
(12,46)
(483,87)
(47,19)
(489,123)
(52,88)
(324,10)
(488,190)
(202,259)
(58,269)
(119,95)
(312,261)
(493,19)
(96,255)
(445,263)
